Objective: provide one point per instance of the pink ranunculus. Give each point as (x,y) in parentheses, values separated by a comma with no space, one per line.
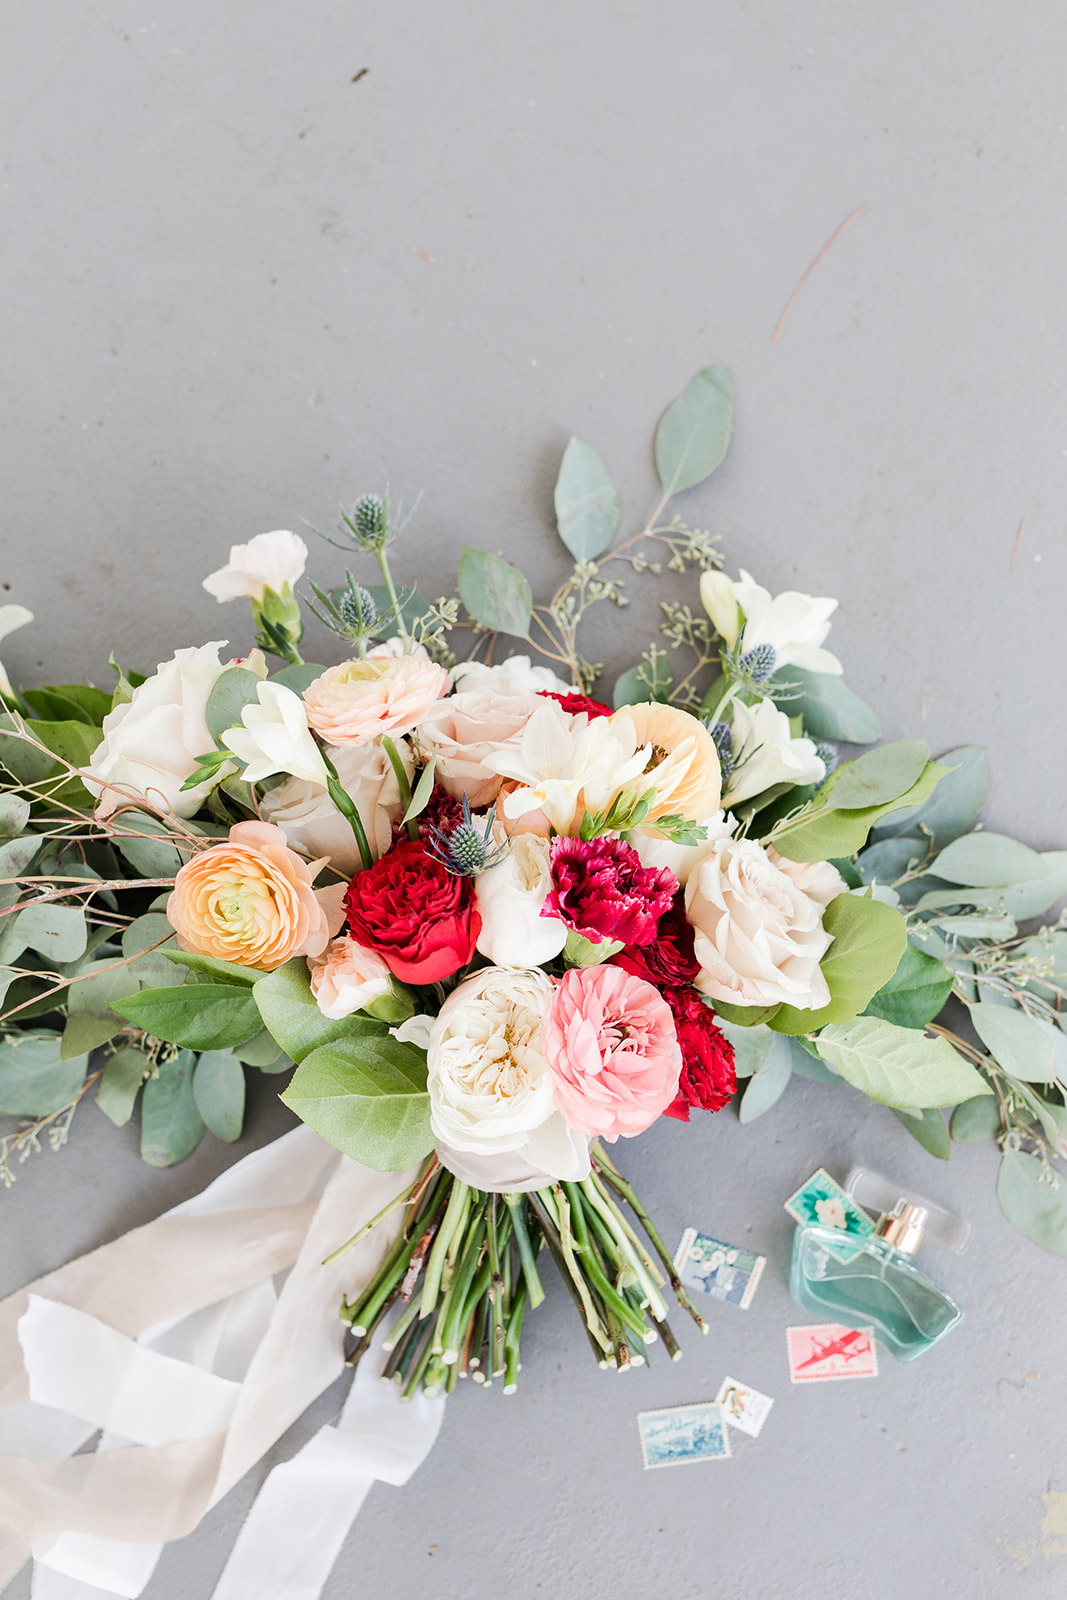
(610,1042)
(360,700)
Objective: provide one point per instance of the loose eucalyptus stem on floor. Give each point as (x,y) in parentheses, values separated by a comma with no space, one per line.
(464,1272)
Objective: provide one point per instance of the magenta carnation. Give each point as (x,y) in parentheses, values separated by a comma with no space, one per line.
(611,1046)
(601,890)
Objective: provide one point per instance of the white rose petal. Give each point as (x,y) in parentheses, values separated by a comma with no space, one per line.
(765,753)
(657,852)
(509,676)
(276,738)
(269,561)
(463,729)
(510,897)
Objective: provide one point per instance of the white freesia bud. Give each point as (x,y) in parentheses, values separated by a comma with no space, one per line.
(269,561)
(149,745)
(765,753)
(11,617)
(793,624)
(719,601)
(276,738)
(510,897)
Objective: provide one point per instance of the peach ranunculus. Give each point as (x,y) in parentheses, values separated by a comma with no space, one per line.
(685,763)
(248,900)
(465,728)
(347,977)
(360,700)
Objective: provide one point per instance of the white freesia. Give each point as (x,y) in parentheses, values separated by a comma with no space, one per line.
(149,745)
(276,738)
(794,624)
(510,897)
(558,759)
(757,935)
(765,753)
(657,852)
(509,676)
(11,617)
(719,601)
(269,561)
(312,823)
(490,1086)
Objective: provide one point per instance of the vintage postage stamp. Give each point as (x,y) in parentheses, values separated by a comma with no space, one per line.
(823,1200)
(711,1266)
(742,1406)
(677,1434)
(827,1350)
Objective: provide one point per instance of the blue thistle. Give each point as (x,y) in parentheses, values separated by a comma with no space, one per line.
(827,753)
(723,738)
(759,664)
(463,849)
(369,521)
(358,609)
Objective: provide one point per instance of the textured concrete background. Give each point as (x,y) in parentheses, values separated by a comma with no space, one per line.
(223,318)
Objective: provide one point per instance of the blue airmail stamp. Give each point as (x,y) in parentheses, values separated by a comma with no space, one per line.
(713,1267)
(679,1434)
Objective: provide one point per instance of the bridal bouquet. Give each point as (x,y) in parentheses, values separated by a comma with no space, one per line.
(498,924)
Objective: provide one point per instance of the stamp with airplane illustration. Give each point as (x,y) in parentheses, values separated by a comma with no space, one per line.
(825,1351)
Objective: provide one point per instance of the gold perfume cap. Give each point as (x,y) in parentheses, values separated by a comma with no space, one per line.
(903,1227)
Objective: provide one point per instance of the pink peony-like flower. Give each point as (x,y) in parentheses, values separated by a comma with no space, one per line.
(610,1042)
(601,890)
(360,700)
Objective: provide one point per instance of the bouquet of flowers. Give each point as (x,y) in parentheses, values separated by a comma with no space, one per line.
(498,924)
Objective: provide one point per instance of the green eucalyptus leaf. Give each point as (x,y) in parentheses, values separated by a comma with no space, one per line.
(1018,900)
(955,803)
(751,1045)
(23,760)
(1030,1203)
(289,1011)
(694,431)
(768,1082)
(145,932)
(262,1051)
(1017,1041)
(368,1098)
(496,594)
(34,1078)
(171,1125)
(199,1016)
(58,932)
(899,1067)
(929,1128)
(890,859)
(984,860)
(232,691)
(828,708)
(588,509)
(974,1121)
(14,815)
(17,854)
(150,854)
(916,993)
(91,1019)
(869,940)
(117,1091)
(298,676)
(219,1092)
(877,777)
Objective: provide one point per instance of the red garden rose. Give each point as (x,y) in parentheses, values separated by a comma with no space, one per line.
(601,890)
(420,918)
(668,959)
(708,1078)
(575,704)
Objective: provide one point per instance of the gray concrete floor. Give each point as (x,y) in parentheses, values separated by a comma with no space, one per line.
(242,287)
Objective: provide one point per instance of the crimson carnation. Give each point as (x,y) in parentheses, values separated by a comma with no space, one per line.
(419,917)
(708,1078)
(576,704)
(601,890)
(668,959)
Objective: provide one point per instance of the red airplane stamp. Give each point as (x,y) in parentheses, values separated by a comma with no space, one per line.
(825,1351)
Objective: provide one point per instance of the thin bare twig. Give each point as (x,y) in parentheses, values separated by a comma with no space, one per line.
(832,240)
(1018,542)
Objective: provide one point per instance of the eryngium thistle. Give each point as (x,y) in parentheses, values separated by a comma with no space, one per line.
(369,521)
(723,738)
(358,609)
(759,664)
(463,849)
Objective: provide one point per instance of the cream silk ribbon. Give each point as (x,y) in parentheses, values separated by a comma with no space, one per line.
(175,1342)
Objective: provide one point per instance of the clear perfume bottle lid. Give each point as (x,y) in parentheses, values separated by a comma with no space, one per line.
(881,1196)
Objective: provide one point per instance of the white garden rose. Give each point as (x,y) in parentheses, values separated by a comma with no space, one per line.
(757,935)
(312,823)
(509,676)
(490,1086)
(657,852)
(462,730)
(269,561)
(510,897)
(820,880)
(765,753)
(149,744)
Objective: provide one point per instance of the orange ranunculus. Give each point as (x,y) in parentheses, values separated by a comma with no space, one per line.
(685,764)
(248,900)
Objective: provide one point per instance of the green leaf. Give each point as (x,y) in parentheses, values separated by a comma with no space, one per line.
(751,1045)
(1016,1041)
(1030,1204)
(91,1020)
(70,702)
(1018,900)
(877,777)
(976,1120)
(829,709)
(955,802)
(916,993)
(899,1066)
(145,932)
(262,1051)
(588,509)
(930,1130)
(34,1078)
(298,677)
(744,1016)
(219,1092)
(768,1082)
(171,1125)
(869,940)
(24,761)
(496,594)
(984,860)
(890,859)
(199,1016)
(232,691)
(14,815)
(820,833)
(368,1098)
(694,431)
(148,853)
(117,1091)
(58,932)
(230,971)
(420,797)
(17,854)
(288,1009)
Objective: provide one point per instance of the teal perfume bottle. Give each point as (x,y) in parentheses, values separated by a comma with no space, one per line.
(875,1281)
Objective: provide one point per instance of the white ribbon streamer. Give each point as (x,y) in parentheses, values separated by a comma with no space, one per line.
(174,1340)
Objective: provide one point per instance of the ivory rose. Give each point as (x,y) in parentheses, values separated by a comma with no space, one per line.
(269,561)
(347,977)
(764,753)
(511,898)
(489,1083)
(248,900)
(757,935)
(149,745)
(508,676)
(360,700)
(462,730)
(312,823)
